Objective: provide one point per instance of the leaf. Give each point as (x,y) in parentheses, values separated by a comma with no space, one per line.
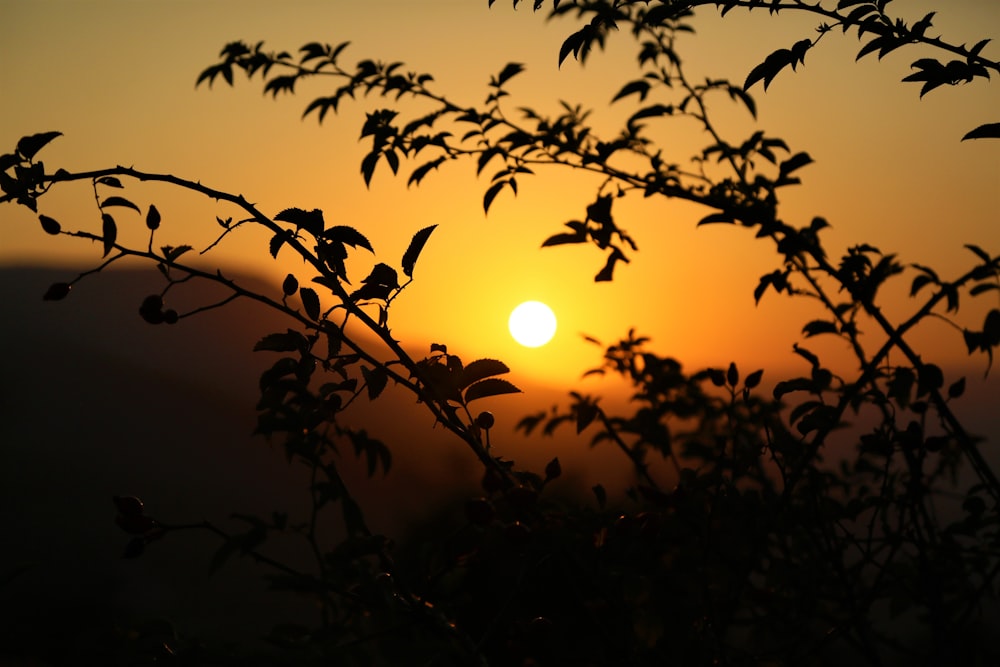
(768,69)
(480,369)
(489,387)
(491,194)
(110,181)
(788,386)
(715,218)
(929,378)
(797,161)
(732,375)
(120,201)
(564,238)
(310,302)
(414,249)
(956,389)
(290,341)
(152,218)
(817,327)
(171,253)
(607,273)
(28,146)
(641,87)
(8,160)
(987,131)
(378,284)
(421,171)
(277,241)
(368,166)
(50,225)
(511,70)
(753,379)
(57,292)
(311,221)
(290,285)
(376,379)
(586,413)
(919,283)
(350,236)
(978,252)
(109,232)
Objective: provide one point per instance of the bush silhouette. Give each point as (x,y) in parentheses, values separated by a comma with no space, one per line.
(750,549)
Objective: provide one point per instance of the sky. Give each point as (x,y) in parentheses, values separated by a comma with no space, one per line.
(117,78)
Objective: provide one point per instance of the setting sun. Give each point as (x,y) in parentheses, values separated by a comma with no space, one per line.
(532,324)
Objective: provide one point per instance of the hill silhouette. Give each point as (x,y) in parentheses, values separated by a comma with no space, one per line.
(97,403)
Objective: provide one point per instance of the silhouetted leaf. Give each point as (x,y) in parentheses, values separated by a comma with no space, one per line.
(120,201)
(290,341)
(716,218)
(375,379)
(421,171)
(817,327)
(57,292)
(110,181)
(768,69)
(310,302)
(152,218)
(732,375)
(8,160)
(290,285)
(640,86)
(919,283)
(957,388)
(277,241)
(311,221)
(789,386)
(509,71)
(348,236)
(979,252)
(607,273)
(797,161)
(753,379)
(368,166)
(171,253)
(414,249)
(109,232)
(991,328)
(929,378)
(491,194)
(28,146)
(481,368)
(50,225)
(489,387)
(564,238)
(586,412)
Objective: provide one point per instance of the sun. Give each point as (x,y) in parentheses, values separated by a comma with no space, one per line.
(532,324)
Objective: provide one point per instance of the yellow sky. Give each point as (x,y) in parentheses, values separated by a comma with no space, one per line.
(117,78)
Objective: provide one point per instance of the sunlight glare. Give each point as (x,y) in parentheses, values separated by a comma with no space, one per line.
(532,324)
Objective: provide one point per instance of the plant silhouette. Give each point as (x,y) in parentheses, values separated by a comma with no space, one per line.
(753,550)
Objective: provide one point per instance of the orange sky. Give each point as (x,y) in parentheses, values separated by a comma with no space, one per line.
(117,78)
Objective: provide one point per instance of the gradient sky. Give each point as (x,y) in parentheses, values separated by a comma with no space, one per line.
(117,78)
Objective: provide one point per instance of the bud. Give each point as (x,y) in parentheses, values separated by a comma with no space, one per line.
(485,420)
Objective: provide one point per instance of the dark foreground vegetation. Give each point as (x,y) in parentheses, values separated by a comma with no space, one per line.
(754,550)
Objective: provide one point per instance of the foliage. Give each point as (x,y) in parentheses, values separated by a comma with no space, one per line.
(756,551)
